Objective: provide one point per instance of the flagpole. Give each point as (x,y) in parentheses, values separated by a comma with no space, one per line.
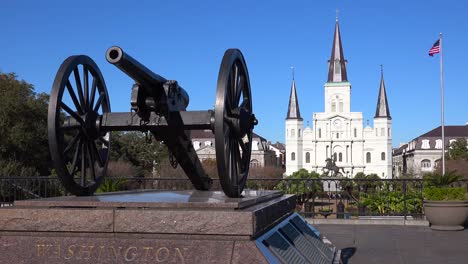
(442,104)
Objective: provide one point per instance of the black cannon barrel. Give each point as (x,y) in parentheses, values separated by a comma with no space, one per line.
(150,81)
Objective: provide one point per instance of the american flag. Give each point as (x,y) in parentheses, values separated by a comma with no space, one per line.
(435,48)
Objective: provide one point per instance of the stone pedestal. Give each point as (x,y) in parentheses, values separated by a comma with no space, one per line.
(141,227)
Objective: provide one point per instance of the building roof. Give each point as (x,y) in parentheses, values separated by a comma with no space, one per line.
(337,59)
(293,107)
(279,146)
(382,110)
(449,131)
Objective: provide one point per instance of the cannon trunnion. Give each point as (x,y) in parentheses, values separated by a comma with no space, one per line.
(80,121)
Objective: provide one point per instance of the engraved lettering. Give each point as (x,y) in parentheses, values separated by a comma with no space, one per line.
(71,252)
(179,255)
(101,248)
(162,254)
(116,253)
(146,254)
(42,249)
(86,252)
(57,251)
(132,254)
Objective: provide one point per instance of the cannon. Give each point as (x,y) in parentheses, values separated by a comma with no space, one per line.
(80,121)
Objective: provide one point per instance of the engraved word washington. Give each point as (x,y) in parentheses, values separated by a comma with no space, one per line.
(158,254)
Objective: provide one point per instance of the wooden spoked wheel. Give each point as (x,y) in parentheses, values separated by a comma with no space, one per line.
(79,150)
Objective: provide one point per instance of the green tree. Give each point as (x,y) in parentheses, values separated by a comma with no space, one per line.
(137,149)
(458,150)
(24,147)
(306,185)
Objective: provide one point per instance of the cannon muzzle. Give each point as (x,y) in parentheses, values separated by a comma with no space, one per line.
(152,83)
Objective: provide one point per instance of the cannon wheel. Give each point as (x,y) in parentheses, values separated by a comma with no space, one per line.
(80,152)
(233,125)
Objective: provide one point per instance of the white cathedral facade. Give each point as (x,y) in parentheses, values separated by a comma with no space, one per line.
(337,132)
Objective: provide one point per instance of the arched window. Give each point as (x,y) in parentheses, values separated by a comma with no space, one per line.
(355,132)
(368,157)
(333,105)
(340,108)
(307,157)
(337,66)
(340,157)
(299,133)
(334,156)
(425,164)
(293,156)
(382,155)
(337,135)
(382,132)
(293,133)
(320,132)
(254,163)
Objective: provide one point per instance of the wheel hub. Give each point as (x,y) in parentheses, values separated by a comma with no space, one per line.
(90,125)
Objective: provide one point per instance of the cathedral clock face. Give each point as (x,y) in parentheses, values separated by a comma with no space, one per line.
(337,123)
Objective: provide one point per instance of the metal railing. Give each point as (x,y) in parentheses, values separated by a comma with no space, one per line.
(316,198)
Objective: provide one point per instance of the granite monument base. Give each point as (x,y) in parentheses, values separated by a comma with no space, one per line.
(141,227)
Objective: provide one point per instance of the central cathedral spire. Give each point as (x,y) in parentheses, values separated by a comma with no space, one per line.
(337,62)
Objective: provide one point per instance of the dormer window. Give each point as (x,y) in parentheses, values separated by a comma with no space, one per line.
(438,144)
(425,144)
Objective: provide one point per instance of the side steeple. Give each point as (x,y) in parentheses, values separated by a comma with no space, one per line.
(337,62)
(293,108)
(382,103)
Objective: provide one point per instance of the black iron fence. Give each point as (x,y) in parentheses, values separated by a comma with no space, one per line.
(316,198)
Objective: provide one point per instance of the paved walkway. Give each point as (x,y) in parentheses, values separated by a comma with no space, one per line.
(397,244)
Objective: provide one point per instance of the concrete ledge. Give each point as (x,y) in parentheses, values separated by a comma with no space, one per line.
(400,222)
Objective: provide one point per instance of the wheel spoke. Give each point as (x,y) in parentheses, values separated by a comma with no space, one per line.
(91,160)
(93,93)
(240,89)
(73,97)
(76,73)
(71,144)
(73,114)
(75,158)
(99,102)
(96,154)
(86,87)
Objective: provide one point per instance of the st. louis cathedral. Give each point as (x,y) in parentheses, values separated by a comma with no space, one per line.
(339,133)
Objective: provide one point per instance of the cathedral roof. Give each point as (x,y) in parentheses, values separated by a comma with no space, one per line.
(293,108)
(382,103)
(337,62)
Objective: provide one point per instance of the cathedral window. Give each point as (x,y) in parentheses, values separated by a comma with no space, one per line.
(389,132)
(320,132)
(307,157)
(293,133)
(368,157)
(293,156)
(438,144)
(340,106)
(299,133)
(333,106)
(355,132)
(337,135)
(340,157)
(382,156)
(382,131)
(334,156)
(376,132)
(425,144)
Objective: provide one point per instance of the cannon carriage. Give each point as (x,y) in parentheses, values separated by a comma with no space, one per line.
(80,121)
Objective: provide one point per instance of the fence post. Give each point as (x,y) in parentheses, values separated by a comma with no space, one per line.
(404,199)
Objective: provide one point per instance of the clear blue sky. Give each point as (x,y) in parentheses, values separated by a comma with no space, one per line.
(185,41)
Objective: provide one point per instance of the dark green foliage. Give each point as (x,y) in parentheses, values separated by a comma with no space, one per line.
(137,149)
(305,185)
(436,179)
(111,185)
(23,128)
(444,193)
(388,202)
(458,150)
